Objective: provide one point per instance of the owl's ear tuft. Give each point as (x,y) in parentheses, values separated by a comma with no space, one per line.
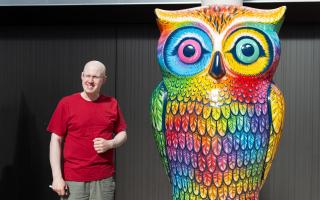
(273,16)
(278,16)
(163,18)
(159,12)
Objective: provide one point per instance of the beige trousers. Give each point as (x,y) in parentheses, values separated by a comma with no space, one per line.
(93,190)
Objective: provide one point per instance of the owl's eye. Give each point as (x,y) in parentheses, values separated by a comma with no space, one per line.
(247,50)
(187,51)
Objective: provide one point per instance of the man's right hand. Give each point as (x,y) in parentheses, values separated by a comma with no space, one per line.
(60,187)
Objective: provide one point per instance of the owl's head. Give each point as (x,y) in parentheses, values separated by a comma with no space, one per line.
(219,41)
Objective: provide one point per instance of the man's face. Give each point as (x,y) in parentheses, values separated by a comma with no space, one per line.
(92,79)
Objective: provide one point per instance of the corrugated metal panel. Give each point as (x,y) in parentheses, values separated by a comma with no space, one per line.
(139,172)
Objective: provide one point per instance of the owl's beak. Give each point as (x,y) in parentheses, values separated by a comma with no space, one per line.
(217,69)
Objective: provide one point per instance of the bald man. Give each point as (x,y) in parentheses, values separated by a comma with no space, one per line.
(90,125)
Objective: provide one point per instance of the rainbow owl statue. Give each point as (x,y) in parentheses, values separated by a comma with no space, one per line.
(217,115)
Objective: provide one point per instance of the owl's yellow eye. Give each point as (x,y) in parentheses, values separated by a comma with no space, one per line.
(247,51)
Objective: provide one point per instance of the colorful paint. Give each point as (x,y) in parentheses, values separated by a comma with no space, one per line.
(217,115)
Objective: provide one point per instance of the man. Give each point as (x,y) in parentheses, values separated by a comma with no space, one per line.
(83,126)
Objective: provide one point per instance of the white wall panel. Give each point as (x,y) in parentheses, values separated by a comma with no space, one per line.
(123,2)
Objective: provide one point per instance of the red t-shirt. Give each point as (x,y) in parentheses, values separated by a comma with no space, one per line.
(80,121)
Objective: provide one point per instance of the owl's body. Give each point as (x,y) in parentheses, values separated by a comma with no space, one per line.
(217,116)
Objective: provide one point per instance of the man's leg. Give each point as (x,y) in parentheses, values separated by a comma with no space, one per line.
(77,191)
(103,189)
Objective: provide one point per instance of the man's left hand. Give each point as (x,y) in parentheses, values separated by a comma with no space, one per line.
(102,145)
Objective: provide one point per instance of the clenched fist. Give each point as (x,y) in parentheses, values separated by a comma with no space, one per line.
(102,145)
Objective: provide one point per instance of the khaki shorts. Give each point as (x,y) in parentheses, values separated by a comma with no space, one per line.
(94,190)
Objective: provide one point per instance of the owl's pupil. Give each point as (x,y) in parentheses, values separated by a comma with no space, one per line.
(247,50)
(189,51)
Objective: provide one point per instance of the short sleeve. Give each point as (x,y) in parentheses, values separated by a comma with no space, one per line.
(58,122)
(120,124)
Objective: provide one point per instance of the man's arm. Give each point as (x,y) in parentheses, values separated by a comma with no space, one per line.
(119,139)
(58,184)
(102,145)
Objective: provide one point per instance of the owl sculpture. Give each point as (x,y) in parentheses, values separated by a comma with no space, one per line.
(217,115)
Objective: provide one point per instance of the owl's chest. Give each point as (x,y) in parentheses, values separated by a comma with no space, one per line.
(233,135)
(205,90)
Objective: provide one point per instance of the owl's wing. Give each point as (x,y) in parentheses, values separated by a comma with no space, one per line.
(158,105)
(277,109)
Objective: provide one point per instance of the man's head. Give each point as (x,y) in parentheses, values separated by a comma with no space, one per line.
(93,77)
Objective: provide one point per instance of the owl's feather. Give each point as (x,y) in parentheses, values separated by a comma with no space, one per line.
(277,110)
(157,107)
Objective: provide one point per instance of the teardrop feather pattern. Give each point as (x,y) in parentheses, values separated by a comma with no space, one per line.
(221,157)
(222,148)
(158,99)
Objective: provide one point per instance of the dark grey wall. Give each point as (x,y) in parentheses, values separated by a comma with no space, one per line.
(138,164)
(41,62)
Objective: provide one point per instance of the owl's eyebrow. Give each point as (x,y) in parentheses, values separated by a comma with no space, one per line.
(247,23)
